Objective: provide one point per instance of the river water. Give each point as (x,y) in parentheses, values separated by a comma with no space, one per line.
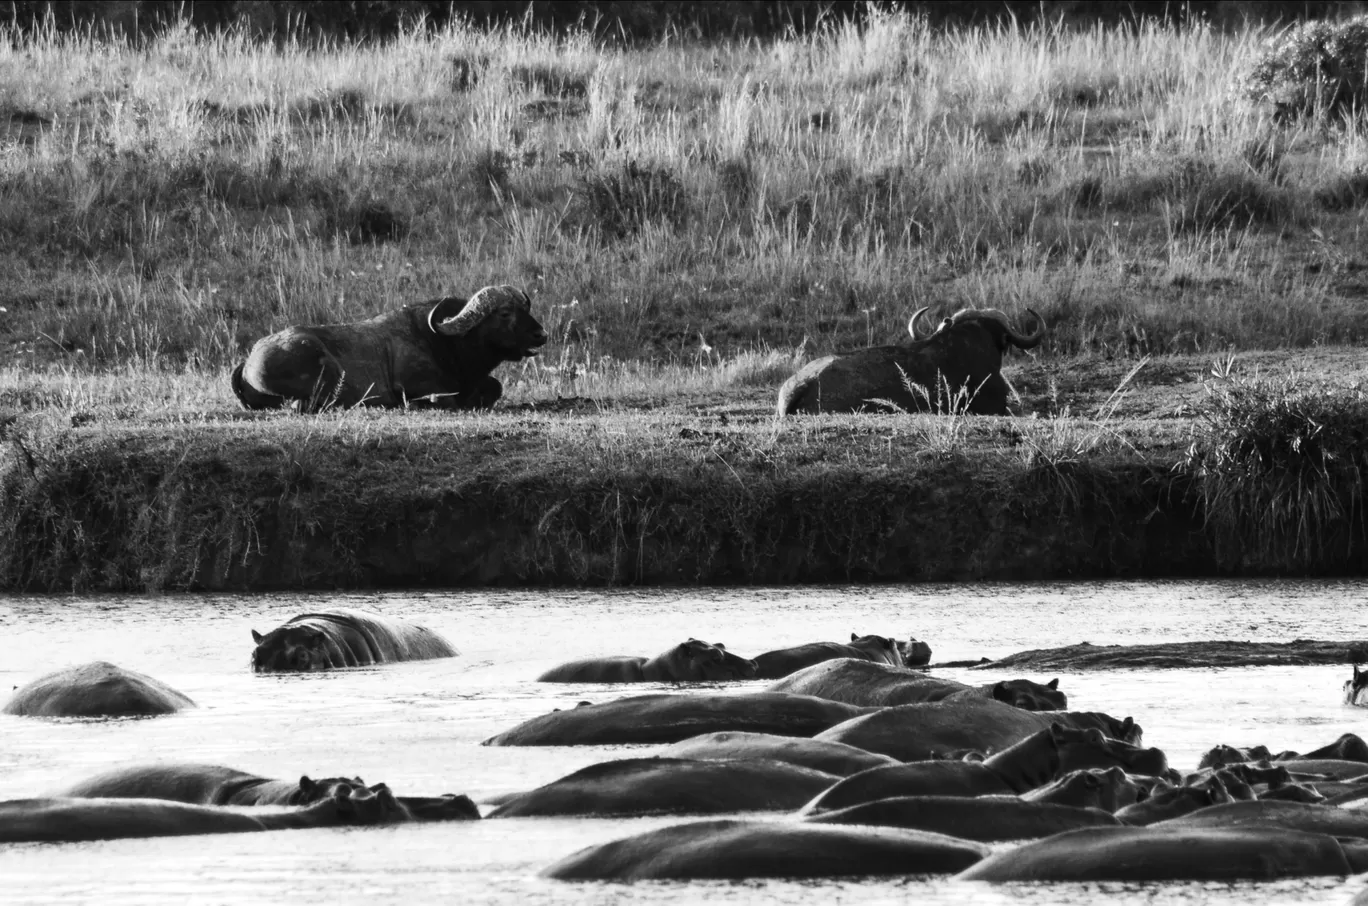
(418,726)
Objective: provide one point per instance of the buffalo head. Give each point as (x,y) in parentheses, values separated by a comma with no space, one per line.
(498,319)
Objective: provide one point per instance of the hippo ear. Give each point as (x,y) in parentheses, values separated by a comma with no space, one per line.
(854,637)
(306,785)
(257,637)
(1053,684)
(1001,692)
(719,645)
(1095,736)
(1127,726)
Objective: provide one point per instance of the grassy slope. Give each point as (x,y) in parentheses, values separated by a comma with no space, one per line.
(693,223)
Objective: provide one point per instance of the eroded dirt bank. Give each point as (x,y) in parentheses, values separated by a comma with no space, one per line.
(691,491)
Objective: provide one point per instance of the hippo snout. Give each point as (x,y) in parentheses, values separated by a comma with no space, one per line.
(747,669)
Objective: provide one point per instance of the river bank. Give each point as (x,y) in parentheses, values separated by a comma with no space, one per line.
(693,490)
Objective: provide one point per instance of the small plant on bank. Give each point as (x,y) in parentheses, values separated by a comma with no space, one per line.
(1316,69)
(1281,467)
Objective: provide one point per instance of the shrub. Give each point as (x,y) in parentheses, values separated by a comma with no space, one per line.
(1314,68)
(1281,467)
(622,203)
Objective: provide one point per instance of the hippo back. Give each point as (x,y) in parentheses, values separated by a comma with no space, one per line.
(97,689)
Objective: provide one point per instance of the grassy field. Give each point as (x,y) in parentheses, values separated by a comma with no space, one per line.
(692,223)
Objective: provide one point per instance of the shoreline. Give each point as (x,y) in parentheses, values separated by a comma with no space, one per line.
(370,500)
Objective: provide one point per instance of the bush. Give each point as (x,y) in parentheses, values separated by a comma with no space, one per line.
(1281,467)
(622,203)
(1316,68)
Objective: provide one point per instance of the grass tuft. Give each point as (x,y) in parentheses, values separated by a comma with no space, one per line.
(1282,466)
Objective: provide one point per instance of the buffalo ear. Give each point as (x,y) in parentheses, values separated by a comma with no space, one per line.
(1053,684)
(257,637)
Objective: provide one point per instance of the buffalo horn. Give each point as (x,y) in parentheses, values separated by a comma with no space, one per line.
(477,308)
(1020,340)
(912,323)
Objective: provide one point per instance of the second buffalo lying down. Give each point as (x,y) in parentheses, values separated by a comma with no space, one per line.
(436,354)
(961,358)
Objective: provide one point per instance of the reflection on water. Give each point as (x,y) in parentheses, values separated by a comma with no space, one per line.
(417,726)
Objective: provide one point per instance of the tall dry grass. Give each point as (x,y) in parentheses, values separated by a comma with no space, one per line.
(162,206)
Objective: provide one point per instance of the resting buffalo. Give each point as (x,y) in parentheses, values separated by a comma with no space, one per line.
(344,638)
(784,661)
(97,689)
(956,368)
(212,784)
(435,354)
(690,661)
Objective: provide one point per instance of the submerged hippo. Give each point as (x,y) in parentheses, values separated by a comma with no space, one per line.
(874,684)
(97,689)
(1026,765)
(66,820)
(344,638)
(830,757)
(1300,816)
(1173,854)
(664,718)
(691,661)
(767,849)
(781,662)
(674,786)
(1165,803)
(212,784)
(922,731)
(1348,747)
(987,819)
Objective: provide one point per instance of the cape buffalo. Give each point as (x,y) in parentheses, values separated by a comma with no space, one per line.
(960,360)
(435,354)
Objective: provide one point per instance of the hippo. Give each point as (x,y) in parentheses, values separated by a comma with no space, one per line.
(1163,804)
(1026,765)
(1348,747)
(68,820)
(874,684)
(920,731)
(915,653)
(665,718)
(1293,792)
(1172,854)
(211,784)
(1108,789)
(343,637)
(671,786)
(97,689)
(987,819)
(831,757)
(1356,689)
(1298,816)
(731,849)
(780,663)
(690,661)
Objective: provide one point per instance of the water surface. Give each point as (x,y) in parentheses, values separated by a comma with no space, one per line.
(417,726)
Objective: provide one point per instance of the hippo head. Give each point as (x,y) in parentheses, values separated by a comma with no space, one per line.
(366,805)
(878,648)
(291,648)
(915,653)
(1090,748)
(705,662)
(311,790)
(1108,789)
(497,318)
(1030,696)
